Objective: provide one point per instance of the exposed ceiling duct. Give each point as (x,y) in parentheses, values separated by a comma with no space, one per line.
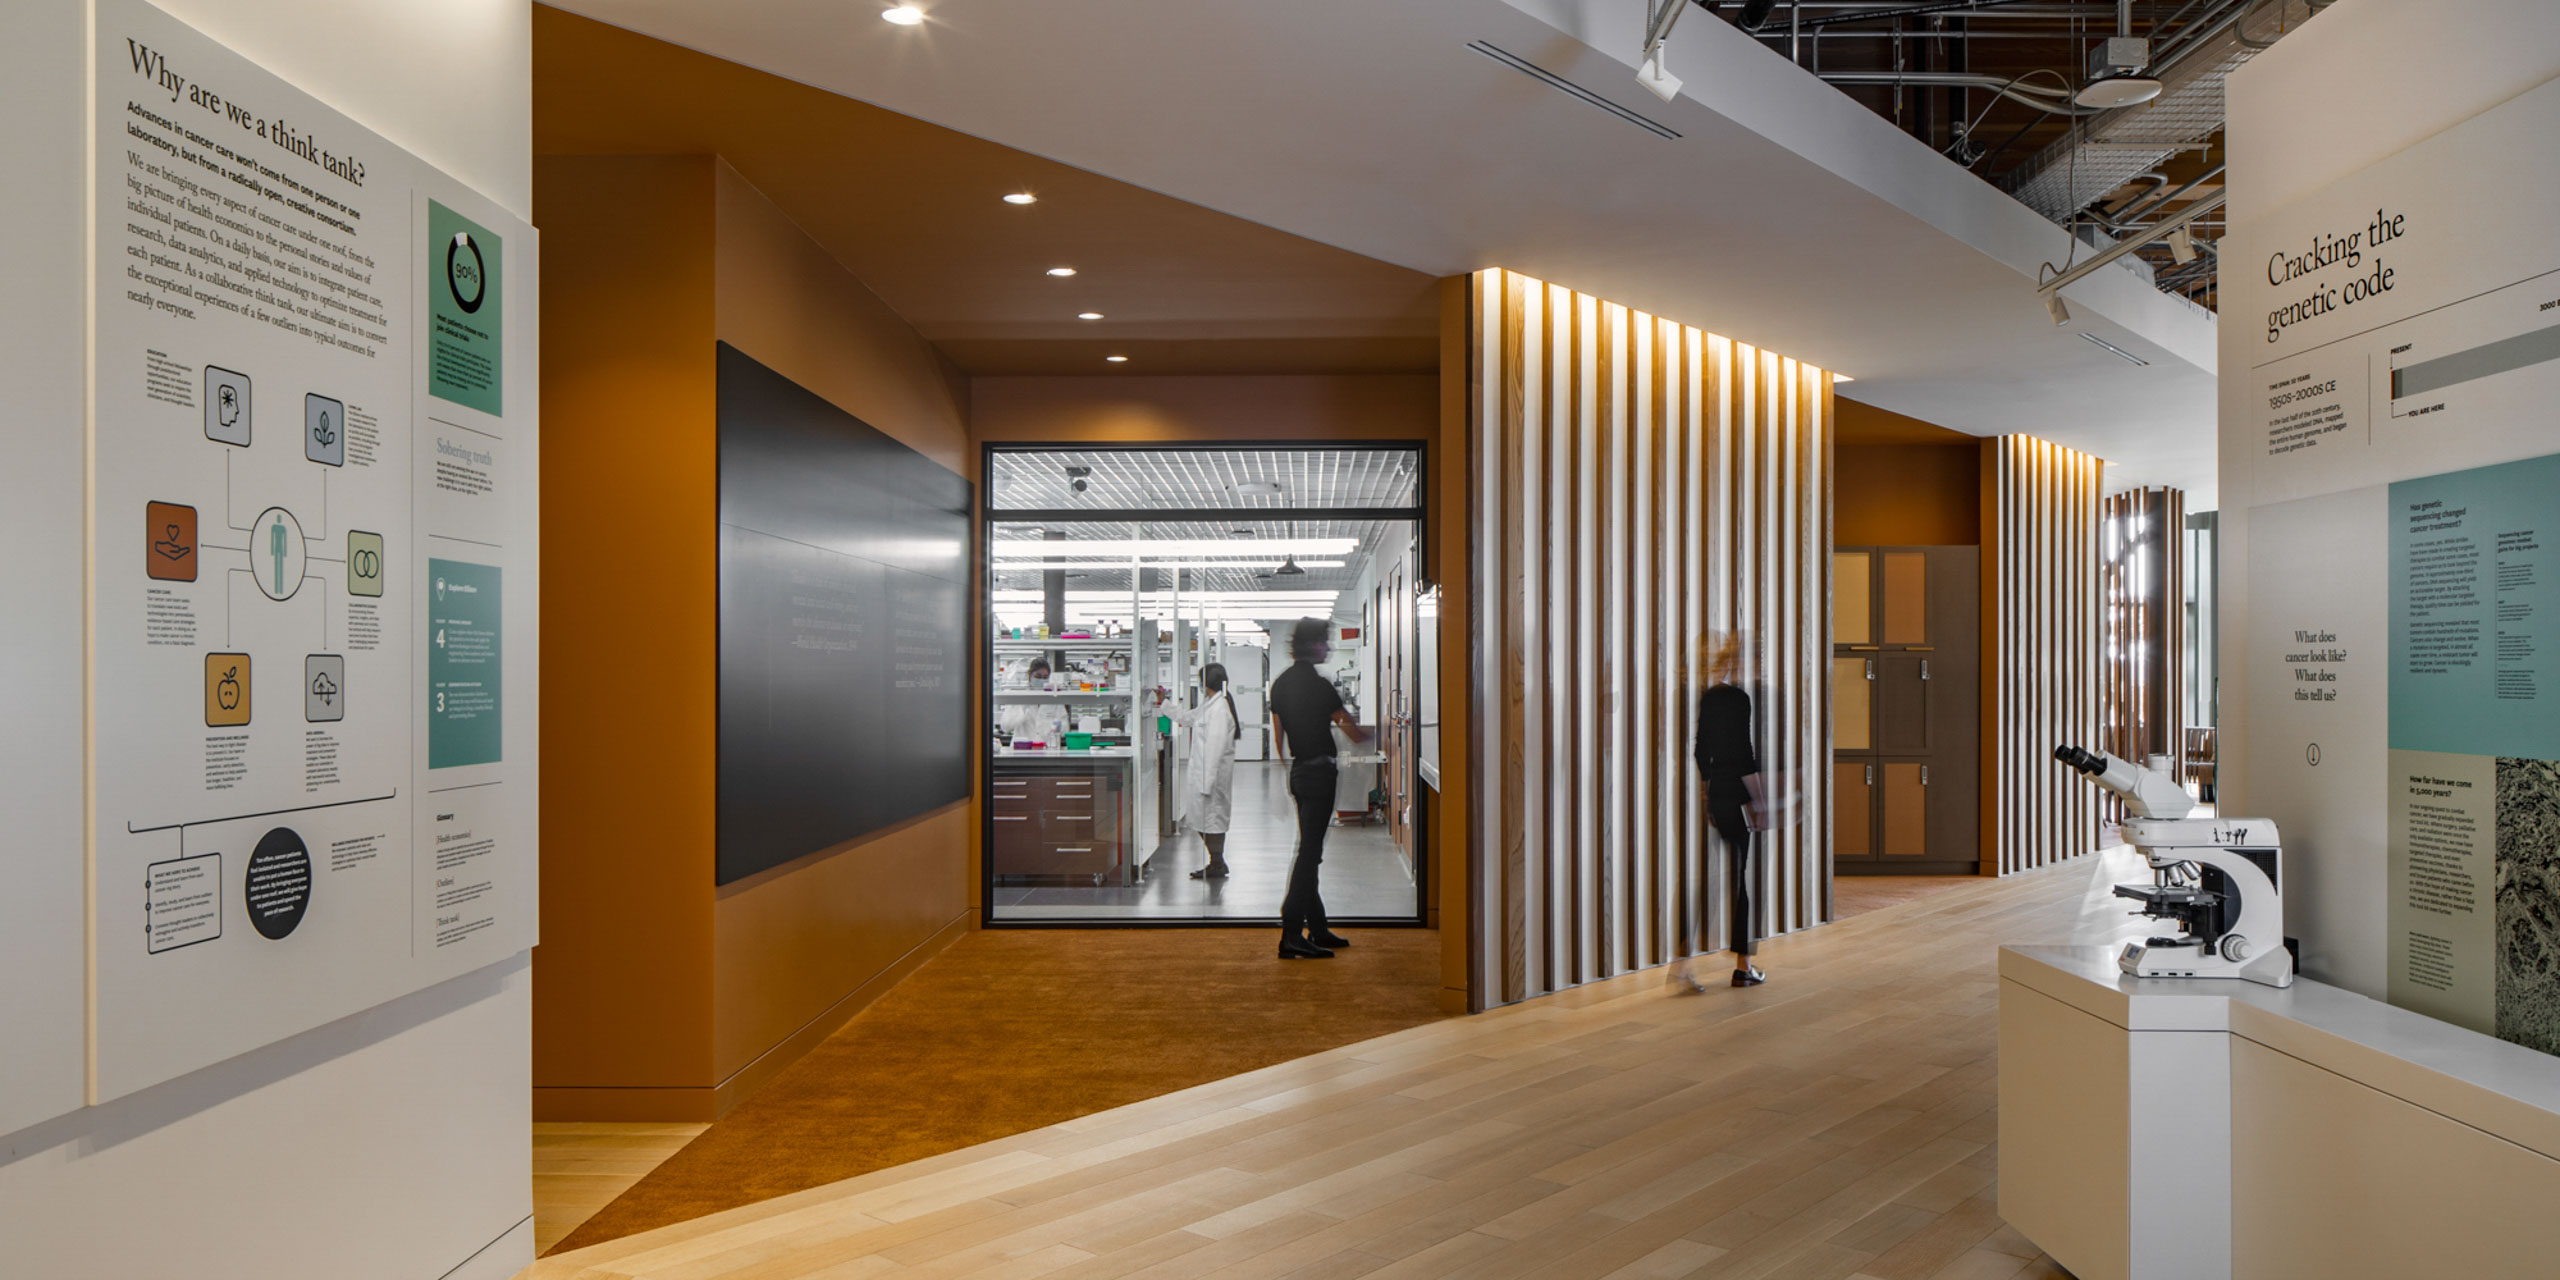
(2115,148)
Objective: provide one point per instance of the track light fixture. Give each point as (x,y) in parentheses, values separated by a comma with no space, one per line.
(2182,246)
(2053,307)
(1655,75)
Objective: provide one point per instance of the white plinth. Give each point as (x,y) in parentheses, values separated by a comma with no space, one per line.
(2168,1129)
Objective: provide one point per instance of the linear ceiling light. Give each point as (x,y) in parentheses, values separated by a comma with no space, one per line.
(2119,351)
(1021,197)
(905,15)
(1062,272)
(1088,315)
(1117,359)
(1123,563)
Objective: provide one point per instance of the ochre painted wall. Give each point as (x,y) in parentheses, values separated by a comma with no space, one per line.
(622,983)
(801,948)
(1138,409)
(1907,495)
(657,996)
(1902,482)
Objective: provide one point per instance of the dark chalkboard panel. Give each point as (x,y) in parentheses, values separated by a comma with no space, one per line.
(844,625)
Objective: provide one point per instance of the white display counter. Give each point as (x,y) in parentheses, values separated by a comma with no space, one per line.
(2196,1130)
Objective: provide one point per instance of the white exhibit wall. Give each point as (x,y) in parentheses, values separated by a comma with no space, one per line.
(395,1141)
(42,908)
(2373,109)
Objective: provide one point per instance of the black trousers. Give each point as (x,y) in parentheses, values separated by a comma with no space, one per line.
(1311,785)
(1724,808)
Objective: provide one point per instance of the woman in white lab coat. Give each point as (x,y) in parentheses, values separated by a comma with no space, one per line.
(1209,768)
(1039,722)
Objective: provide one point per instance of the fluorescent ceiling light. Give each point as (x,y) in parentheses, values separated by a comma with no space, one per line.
(1062,272)
(1022,197)
(905,15)
(1117,359)
(1088,315)
(1034,549)
(1046,565)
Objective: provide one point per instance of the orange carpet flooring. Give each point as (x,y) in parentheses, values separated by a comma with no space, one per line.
(1018,1029)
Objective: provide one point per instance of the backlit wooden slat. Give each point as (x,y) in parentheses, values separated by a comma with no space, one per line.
(1650,485)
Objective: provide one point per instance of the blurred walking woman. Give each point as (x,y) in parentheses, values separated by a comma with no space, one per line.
(1728,758)
(1209,768)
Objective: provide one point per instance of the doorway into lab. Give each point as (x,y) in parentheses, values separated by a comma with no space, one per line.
(1141,600)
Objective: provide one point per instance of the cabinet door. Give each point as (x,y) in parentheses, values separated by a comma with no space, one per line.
(1853,703)
(1902,809)
(1853,811)
(1853,597)
(1905,708)
(1904,598)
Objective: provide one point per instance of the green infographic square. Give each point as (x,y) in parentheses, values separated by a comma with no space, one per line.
(466,670)
(466,314)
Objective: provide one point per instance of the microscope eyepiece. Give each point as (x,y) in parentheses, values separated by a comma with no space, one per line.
(2087,762)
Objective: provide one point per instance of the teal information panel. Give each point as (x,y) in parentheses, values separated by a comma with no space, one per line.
(466,668)
(466,316)
(2475,600)
(2473,912)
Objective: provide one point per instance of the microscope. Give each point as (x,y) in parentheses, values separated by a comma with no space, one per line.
(2217,877)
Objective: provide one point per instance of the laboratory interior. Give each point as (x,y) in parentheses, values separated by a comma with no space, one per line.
(1117,577)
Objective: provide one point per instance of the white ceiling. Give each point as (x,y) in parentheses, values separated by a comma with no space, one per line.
(1784,215)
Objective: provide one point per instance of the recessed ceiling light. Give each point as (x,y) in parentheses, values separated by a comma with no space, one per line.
(1062,272)
(1022,197)
(1088,315)
(905,15)
(1117,359)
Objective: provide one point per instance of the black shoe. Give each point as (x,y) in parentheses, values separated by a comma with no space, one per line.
(1216,870)
(1295,949)
(1750,977)
(1328,938)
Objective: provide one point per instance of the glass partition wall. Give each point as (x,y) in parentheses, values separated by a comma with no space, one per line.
(1116,578)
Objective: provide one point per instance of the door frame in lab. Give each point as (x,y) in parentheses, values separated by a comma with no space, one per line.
(1419,515)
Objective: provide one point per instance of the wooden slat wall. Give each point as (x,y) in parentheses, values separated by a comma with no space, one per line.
(2042,650)
(2145,535)
(1637,486)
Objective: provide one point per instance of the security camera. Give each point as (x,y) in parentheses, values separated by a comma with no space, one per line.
(1076,478)
(1079,485)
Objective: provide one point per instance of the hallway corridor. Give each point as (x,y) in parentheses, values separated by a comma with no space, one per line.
(1837,1122)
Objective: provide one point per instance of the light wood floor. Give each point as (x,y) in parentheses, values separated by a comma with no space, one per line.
(1837,1122)
(579,1167)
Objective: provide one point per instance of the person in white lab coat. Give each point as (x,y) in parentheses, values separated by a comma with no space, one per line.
(1209,768)
(1034,721)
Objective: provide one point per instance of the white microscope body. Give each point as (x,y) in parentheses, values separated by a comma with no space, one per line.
(2219,878)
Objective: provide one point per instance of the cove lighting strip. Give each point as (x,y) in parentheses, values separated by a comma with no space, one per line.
(1036,549)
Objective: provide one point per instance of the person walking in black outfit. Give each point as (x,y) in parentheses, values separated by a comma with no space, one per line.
(1306,707)
(1729,762)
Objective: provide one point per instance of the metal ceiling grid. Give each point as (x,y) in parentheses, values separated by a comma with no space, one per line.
(1371,534)
(1198,479)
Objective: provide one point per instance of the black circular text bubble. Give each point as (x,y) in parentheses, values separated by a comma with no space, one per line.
(278,887)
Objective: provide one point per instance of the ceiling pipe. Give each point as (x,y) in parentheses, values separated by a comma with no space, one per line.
(2143,208)
(2051,289)
(2031,95)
